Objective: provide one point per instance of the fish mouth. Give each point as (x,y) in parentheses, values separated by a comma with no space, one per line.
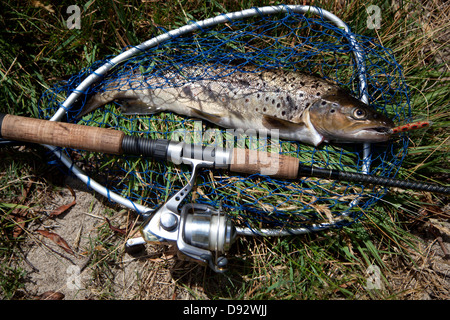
(375,134)
(381,130)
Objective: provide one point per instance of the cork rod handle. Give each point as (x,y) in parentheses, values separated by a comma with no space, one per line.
(266,163)
(102,140)
(60,134)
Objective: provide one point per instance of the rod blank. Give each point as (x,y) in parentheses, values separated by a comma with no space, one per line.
(368,179)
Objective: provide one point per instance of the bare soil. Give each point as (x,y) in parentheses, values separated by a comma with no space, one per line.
(99,270)
(96,270)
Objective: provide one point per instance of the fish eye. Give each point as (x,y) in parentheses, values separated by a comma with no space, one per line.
(359,113)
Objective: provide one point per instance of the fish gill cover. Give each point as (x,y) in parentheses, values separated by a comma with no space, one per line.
(291,41)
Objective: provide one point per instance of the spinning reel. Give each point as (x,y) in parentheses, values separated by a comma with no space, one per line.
(201,232)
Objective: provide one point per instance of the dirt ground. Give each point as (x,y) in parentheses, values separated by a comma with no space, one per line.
(99,270)
(95,270)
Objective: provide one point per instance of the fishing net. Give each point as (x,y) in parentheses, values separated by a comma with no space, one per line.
(289,40)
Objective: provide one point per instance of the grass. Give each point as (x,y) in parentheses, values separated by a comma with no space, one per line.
(38,50)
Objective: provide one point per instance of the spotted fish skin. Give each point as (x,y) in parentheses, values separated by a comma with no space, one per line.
(267,100)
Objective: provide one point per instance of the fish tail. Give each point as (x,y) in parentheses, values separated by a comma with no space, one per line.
(95,102)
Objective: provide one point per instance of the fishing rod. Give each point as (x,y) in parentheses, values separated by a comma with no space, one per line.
(199,230)
(245,161)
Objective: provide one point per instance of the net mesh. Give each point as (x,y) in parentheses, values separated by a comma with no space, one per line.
(290,41)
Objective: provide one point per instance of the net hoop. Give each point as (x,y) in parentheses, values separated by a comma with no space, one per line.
(198,25)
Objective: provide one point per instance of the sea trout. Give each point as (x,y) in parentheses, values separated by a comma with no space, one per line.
(301,106)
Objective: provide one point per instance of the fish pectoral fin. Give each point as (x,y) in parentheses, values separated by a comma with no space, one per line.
(135,106)
(293,130)
(271,122)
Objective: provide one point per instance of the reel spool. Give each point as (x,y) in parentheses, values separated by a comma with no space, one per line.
(206,227)
(205,234)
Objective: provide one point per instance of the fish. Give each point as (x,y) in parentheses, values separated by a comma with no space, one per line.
(301,106)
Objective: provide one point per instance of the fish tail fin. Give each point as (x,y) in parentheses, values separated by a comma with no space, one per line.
(95,102)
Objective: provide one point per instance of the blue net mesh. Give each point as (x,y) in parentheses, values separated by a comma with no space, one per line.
(287,40)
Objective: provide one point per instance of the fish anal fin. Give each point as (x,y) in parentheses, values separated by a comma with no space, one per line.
(135,106)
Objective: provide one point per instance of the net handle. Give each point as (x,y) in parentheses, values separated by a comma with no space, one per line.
(239,15)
